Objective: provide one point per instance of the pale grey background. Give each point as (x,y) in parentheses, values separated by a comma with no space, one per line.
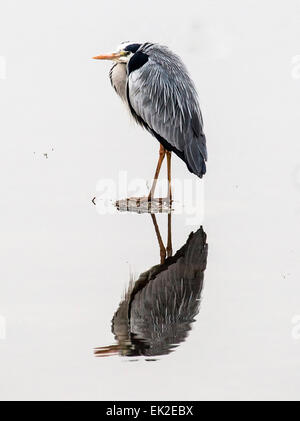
(64,267)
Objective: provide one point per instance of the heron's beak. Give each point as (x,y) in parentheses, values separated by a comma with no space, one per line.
(112,56)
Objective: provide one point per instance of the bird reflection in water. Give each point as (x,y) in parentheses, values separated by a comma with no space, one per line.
(158,309)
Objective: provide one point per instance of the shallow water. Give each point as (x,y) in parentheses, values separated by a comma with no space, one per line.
(66,263)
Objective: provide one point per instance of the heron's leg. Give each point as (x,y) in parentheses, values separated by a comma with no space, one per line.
(160,241)
(169,176)
(169,243)
(160,160)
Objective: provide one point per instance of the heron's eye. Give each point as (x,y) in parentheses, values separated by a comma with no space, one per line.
(125,53)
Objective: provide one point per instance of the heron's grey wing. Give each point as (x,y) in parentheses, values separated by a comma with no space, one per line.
(165,101)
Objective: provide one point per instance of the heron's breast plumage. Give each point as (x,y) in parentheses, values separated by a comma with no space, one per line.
(118,76)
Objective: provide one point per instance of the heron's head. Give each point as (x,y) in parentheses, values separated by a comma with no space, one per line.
(122,54)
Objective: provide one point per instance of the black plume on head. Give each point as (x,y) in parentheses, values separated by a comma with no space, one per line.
(132,47)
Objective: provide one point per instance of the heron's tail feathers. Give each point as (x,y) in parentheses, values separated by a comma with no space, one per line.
(195,156)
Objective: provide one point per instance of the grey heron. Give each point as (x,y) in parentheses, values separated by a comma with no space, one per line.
(159,307)
(156,87)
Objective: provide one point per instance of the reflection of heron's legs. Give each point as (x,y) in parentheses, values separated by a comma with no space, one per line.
(169,243)
(160,160)
(169,176)
(160,241)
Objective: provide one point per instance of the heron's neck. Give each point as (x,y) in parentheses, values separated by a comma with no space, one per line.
(118,77)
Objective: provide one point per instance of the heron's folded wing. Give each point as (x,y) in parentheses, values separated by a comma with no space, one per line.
(164,100)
